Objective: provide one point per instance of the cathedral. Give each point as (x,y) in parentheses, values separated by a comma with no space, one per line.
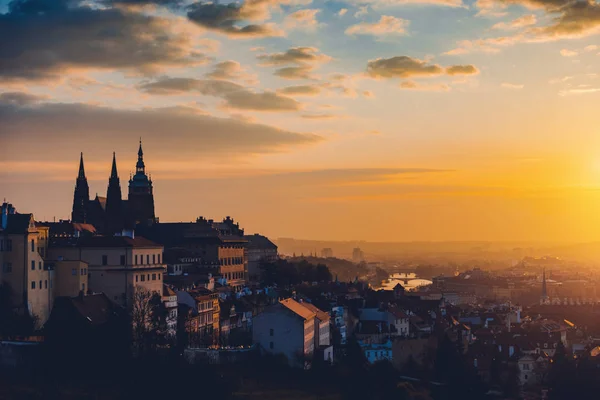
(112,214)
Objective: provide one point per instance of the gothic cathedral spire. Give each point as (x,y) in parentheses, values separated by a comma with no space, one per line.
(81,196)
(141,198)
(114,209)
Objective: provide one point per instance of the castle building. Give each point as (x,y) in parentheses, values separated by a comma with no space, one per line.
(112,214)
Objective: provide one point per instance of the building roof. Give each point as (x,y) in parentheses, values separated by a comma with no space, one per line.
(321,315)
(297,308)
(257,241)
(67,228)
(117,241)
(18,223)
(96,308)
(168,292)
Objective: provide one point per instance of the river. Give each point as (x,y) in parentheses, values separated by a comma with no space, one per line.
(412,284)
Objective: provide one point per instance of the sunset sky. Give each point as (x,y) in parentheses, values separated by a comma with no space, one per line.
(380,120)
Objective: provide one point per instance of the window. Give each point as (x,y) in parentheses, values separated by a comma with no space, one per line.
(32,245)
(136,259)
(7,267)
(136,278)
(33,284)
(74,271)
(40,284)
(46,284)
(104,260)
(153,277)
(83,287)
(33,265)
(123,260)
(153,258)
(526,367)
(8,245)
(148,276)
(271,345)
(159,258)
(159,276)
(40,265)
(143,277)
(147,259)
(271,332)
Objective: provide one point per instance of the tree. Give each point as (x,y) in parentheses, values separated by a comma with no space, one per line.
(144,307)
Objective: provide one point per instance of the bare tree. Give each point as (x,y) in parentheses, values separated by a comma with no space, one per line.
(141,318)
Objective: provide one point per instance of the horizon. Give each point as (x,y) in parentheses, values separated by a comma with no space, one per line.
(391,121)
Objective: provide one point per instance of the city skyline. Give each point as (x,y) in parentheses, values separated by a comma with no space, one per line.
(335,120)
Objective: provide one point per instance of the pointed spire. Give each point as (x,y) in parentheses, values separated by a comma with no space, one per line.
(140,151)
(81,169)
(113,172)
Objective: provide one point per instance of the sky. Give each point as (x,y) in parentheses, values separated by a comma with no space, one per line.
(379,120)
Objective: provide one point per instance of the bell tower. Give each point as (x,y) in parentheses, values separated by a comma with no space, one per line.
(141,197)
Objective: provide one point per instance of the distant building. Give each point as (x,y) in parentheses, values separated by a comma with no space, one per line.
(327,252)
(258,249)
(117,264)
(358,255)
(377,351)
(112,214)
(23,245)
(169,299)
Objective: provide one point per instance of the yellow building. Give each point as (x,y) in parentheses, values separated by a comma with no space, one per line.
(117,265)
(22,248)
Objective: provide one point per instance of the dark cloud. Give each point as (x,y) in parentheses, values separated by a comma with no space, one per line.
(226,18)
(19,98)
(26,128)
(235,95)
(48,37)
(294,55)
(407,67)
(294,73)
(576,19)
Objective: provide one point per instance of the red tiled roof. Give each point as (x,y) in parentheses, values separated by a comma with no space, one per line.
(322,315)
(297,308)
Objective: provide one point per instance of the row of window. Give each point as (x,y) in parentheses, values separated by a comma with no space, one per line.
(83,271)
(40,265)
(144,277)
(233,275)
(5,245)
(139,259)
(232,260)
(45,286)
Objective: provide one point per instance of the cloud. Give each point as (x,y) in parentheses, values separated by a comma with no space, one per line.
(319,116)
(362,11)
(568,53)
(227,18)
(411,85)
(295,73)
(230,71)
(235,95)
(19,98)
(302,90)
(387,25)
(525,20)
(49,38)
(406,67)
(513,86)
(342,12)
(591,47)
(26,128)
(396,3)
(294,55)
(302,19)
(462,70)
(578,91)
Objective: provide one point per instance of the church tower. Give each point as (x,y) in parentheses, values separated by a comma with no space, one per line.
(141,198)
(81,197)
(544,298)
(114,206)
